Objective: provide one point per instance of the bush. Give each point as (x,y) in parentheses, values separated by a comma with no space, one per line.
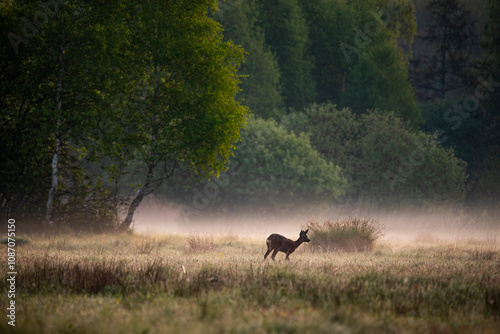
(385,162)
(280,171)
(349,235)
(273,171)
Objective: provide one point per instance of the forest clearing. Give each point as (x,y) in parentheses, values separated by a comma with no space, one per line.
(207,283)
(159,160)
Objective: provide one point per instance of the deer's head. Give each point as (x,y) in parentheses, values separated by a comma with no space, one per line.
(303,236)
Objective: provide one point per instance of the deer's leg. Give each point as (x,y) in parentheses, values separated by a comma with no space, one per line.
(267,253)
(274,254)
(269,248)
(287,254)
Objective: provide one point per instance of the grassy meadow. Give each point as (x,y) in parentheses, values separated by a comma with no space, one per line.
(201,283)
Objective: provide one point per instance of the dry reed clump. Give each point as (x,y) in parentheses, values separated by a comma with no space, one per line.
(349,235)
(199,243)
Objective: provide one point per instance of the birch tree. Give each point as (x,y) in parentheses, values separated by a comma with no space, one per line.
(182,110)
(62,51)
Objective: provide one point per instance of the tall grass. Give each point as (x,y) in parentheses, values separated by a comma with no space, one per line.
(141,284)
(199,243)
(349,235)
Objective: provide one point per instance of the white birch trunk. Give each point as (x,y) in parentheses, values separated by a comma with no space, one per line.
(57,153)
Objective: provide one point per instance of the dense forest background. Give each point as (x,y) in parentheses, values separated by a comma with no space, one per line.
(247,106)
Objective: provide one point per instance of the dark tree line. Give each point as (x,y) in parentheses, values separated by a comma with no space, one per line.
(105,103)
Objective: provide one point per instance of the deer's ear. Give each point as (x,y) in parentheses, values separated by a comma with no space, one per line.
(307,231)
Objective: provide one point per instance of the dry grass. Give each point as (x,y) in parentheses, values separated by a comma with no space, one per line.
(426,237)
(483,254)
(487,241)
(199,243)
(143,284)
(349,235)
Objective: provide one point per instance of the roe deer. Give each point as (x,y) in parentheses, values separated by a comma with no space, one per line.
(279,243)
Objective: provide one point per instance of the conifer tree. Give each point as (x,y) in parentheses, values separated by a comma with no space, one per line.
(447,70)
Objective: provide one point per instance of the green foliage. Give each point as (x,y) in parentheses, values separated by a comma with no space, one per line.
(182,107)
(485,176)
(357,61)
(492,33)
(276,170)
(457,129)
(416,169)
(330,24)
(348,235)
(261,88)
(99,86)
(272,172)
(485,192)
(466,122)
(385,162)
(55,79)
(309,41)
(153,88)
(446,71)
(184,101)
(92,201)
(286,33)
(333,132)
(380,80)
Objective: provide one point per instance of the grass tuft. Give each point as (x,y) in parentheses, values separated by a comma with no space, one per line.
(349,235)
(483,254)
(199,243)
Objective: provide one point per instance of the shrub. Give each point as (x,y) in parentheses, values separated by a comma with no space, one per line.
(273,171)
(349,235)
(386,163)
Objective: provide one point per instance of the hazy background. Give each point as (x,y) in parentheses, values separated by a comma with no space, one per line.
(382,109)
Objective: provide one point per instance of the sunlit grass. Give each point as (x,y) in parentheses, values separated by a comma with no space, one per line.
(138,284)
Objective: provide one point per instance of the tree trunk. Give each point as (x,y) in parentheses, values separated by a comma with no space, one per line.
(137,200)
(57,153)
(144,191)
(55,179)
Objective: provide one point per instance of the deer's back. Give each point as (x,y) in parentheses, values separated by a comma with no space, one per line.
(279,242)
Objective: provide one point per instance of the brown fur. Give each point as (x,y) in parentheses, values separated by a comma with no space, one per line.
(279,243)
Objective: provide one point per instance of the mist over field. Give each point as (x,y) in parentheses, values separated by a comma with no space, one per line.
(447,224)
